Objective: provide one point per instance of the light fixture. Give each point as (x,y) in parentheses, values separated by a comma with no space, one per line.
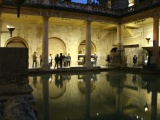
(18,4)
(148,39)
(146,108)
(10,28)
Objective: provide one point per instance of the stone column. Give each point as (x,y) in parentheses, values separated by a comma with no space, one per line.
(45,64)
(154,105)
(155,51)
(120,32)
(120,60)
(88,63)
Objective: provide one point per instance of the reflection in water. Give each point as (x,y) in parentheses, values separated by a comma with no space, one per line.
(108,95)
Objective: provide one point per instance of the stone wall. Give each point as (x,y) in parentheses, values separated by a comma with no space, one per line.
(65,39)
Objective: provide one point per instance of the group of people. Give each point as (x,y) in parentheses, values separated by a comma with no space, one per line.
(65,60)
(60,60)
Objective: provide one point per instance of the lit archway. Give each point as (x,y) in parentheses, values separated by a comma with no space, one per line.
(16,42)
(82,47)
(56,46)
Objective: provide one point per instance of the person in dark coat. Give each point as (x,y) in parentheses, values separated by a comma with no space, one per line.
(56,61)
(61,59)
(134,60)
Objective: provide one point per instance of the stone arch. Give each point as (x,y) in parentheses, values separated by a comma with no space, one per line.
(82,47)
(56,46)
(16,42)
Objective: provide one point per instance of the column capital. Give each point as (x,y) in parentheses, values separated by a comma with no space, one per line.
(155,13)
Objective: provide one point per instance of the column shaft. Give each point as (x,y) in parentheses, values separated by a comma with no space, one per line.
(155,55)
(120,30)
(45,65)
(88,63)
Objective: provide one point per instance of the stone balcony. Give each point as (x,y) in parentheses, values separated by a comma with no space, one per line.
(88,8)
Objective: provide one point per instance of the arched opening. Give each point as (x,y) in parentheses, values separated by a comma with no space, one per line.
(56,46)
(16,42)
(82,52)
(82,47)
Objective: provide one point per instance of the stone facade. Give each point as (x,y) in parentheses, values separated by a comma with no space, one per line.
(62,39)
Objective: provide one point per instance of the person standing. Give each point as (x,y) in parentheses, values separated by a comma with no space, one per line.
(56,61)
(50,60)
(134,60)
(95,59)
(108,59)
(61,59)
(40,57)
(64,60)
(34,57)
(68,60)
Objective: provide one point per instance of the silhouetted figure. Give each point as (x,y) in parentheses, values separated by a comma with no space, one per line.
(61,60)
(40,60)
(108,59)
(134,60)
(56,61)
(34,57)
(64,60)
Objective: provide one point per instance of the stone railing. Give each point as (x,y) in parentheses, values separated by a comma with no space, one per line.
(140,6)
(87,8)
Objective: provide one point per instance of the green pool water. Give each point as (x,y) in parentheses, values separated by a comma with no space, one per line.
(111,95)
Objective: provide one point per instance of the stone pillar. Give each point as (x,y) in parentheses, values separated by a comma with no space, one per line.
(45,64)
(155,51)
(88,63)
(154,105)
(118,56)
(120,32)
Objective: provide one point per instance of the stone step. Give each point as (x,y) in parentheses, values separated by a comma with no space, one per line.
(14,89)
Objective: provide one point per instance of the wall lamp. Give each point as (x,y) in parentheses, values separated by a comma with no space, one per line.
(146,108)
(10,28)
(148,39)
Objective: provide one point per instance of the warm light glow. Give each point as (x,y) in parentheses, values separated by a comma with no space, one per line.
(146,107)
(8,26)
(131,4)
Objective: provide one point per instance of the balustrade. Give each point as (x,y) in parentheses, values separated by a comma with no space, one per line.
(88,8)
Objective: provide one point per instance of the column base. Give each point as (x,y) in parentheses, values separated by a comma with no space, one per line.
(154,62)
(45,67)
(88,65)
